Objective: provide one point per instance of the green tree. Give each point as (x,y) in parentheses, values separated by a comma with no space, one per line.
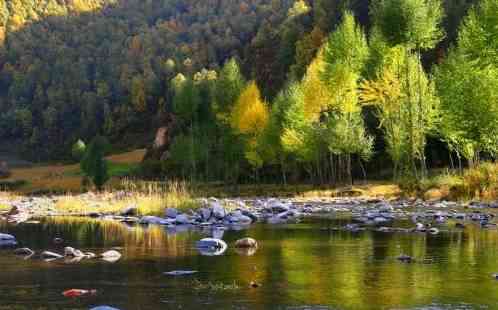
(415,25)
(93,164)
(345,55)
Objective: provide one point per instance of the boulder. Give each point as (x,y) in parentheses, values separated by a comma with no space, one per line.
(218,211)
(205,213)
(182,219)
(246,243)
(130,211)
(154,220)
(171,213)
(249,214)
(276,206)
(211,247)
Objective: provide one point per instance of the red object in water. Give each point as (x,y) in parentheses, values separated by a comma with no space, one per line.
(78,293)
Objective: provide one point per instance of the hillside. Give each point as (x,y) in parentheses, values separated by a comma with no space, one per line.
(71,69)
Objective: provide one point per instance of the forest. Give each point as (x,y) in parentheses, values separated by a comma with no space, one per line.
(319,90)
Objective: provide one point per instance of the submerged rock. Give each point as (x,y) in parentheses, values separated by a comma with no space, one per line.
(103,308)
(180,272)
(246,243)
(405,258)
(24,252)
(50,255)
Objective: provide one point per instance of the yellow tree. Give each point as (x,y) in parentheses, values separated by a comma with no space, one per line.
(249,119)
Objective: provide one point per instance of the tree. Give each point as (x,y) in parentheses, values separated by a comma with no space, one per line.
(249,118)
(93,164)
(414,25)
(406,105)
(478,36)
(345,55)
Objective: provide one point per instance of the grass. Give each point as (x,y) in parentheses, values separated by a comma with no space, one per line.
(479,183)
(149,198)
(67,178)
(299,191)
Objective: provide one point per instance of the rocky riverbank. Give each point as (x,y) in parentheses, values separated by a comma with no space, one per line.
(364,212)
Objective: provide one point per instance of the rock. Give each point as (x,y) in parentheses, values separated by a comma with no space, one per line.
(182,219)
(205,213)
(246,243)
(218,211)
(180,272)
(111,253)
(385,207)
(249,214)
(238,217)
(58,240)
(103,308)
(50,255)
(434,231)
(405,258)
(24,252)
(90,255)
(246,251)
(211,246)
(154,220)
(254,284)
(72,252)
(130,211)
(111,256)
(171,213)
(7,240)
(276,206)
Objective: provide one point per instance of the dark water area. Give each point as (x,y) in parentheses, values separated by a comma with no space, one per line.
(299,266)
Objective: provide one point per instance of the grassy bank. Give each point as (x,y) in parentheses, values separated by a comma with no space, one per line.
(479,183)
(67,178)
(149,199)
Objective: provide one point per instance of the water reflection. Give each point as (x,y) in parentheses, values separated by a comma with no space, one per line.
(300,266)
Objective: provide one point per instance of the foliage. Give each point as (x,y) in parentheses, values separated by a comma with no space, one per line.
(406,105)
(469,104)
(78,150)
(414,23)
(249,118)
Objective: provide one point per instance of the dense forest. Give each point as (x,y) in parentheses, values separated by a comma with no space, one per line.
(320,90)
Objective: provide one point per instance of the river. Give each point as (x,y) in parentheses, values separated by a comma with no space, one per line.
(298,266)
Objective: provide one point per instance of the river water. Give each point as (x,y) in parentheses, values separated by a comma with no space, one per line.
(299,266)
